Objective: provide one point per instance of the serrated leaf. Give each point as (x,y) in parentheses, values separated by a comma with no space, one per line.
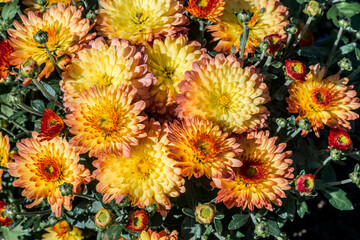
(189,212)
(190,229)
(9,10)
(238,220)
(302,208)
(347,48)
(218,226)
(38,105)
(337,198)
(274,228)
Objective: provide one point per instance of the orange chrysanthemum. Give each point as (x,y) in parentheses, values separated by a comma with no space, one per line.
(261,179)
(67,32)
(51,125)
(221,90)
(137,221)
(323,100)
(295,70)
(207,9)
(134,20)
(168,61)
(147,177)
(163,235)
(269,18)
(5,51)
(105,120)
(35,7)
(103,65)
(43,166)
(4,221)
(339,139)
(63,231)
(199,147)
(5,156)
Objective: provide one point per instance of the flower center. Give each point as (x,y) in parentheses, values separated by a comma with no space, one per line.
(103,217)
(202,3)
(143,167)
(308,183)
(108,122)
(168,72)
(137,222)
(205,212)
(203,146)
(224,101)
(296,68)
(48,169)
(321,96)
(105,80)
(343,139)
(140,18)
(252,171)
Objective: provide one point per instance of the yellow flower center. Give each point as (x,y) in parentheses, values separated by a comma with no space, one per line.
(108,121)
(202,3)
(105,80)
(103,217)
(296,68)
(137,222)
(168,72)
(203,146)
(224,101)
(205,212)
(140,18)
(321,99)
(308,183)
(343,139)
(144,167)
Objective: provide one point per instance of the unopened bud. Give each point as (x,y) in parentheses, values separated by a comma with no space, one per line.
(262,230)
(345,22)
(281,122)
(11,211)
(244,16)
(291,29)
(103,218)
(66,189)
(91,15)
(264,46)
(355,178)
(15,98)
(41,37)
(42,2)
(29,69)
(335,154)
(205,213)
(305,124)
(345,64)
(313,8)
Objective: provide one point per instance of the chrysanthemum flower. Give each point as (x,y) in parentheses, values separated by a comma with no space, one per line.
(199,147)
(63,231)
(221,90)
(305,184)
(35,7)
(206,9)
(275,43)
(204,213)
(269,18)
(5,155)
(295,70)
(67,33)
(323,100)
(147,177)
(4,221)
(42,166)
(261,179)
(51,125)
(135,20)
(103,65)
(339,139)
(168,61)
(5,51)
(163,235)
(137,221)
(104,218)
(105,120)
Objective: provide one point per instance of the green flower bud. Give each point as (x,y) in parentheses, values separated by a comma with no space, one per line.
(53,220)
(66,189)
(355,178)
(291,29)
(335,154)
(345,22)
(204,237)
(345,64)
(244,16)
(11,211)
(305,124)
(41,37)
(29,69)
(262,230)
(15,98)
(91,15)
(313,8)
(264,46)
(42,2)
(281,122)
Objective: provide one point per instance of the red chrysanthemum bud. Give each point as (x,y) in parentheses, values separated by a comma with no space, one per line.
(305,184)
(5,51)
(295,70)
(51,125)
(339,139)
(138,221)
(4,221)
(205,213)
(307,39)
(275,43)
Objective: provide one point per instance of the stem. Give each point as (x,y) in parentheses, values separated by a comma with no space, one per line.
(52,59)
(297,40)
(261,58)
(289,38)
(8,132)
(278,130)
(253,218)
(46,93)
(243,43)
(15,123)
(327,160)
(268,60)
(339,182)
(202,31)
(341,29)
(84,196)
(354,73)
(39,213)
(29,109)
(3,168)
(340,72)
(292,135)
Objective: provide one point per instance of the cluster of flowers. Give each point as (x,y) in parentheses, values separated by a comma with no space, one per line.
(151,108)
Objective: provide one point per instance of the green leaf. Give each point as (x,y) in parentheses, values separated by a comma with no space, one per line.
(355,155)
(328,173)
(311,52)
(49,89)
(238,220)
(193,194)
(189,212)
(357,53)
(338,199)
(16,115)
(190,229)
(302,208)
(218,226)
(13,234)
(274,228)
(348,9)
(38,105)
(347,48)
(219,215)
(276,64)
(9,11)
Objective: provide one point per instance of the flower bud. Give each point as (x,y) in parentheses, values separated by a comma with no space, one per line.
(295,70)
(355,178)
(29,69)
(103,218)
(305,184)
(15,98)
(281,122)
(275,43)
(91,15)
(51,125)
(11,211)
(205,213)
(66,189)
(41,37)
(345,22)
(53,220)
(262,230)
(291,29)
(345,64)
(244,16)
(335,154)
(137,221)
(42,2)
(313,8)
(204,237)
(305,124)
(4,220)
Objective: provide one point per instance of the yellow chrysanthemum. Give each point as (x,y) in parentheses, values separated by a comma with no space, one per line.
(103,65)
(67,34)
(35,7)
(147,177)
(42,166)
(261,179)
(162,235)
(269,18)
(62,231)
(5,155)
(141,20)
(199,147)
(105,120)
(168,61)
(221,90)
(323,100)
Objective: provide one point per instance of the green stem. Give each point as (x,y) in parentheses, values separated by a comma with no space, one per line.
(327,160)
(278,130)
(46,93)
(202,31)
(243,43)
(339,182)
(29,109)
(15,123)
(292,135)
(253,218)
(289,38)
(84,196)
(38,213)
(297,40)
(52,59)
(261,58)
(336,43)
(3,168)
(340,72)
(8,132)
(268,60)
(354,73)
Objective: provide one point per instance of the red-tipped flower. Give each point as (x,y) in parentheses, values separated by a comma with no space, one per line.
(339,139)
(295,70)
(207,9)
(275,43)
(138,221)
(4,221)
(51,125)
(5,51)
(305,184)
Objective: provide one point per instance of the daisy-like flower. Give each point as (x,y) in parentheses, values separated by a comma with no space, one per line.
(67,34)
(137,221)
(275,43)
(204,213)
(168,61)
(104,218)
(147,177)
(199,147)
(221,90)
(103,65)
(35,7)
(41,167)
(206,9)
(269,18)
(51,125)
(262,178)
(5,155)
(105,120)
(305,184)
(141,20)
(339,139)
(5,51)
(63,231)
(163,235)
(323,100)
(295,70)
(4,221)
